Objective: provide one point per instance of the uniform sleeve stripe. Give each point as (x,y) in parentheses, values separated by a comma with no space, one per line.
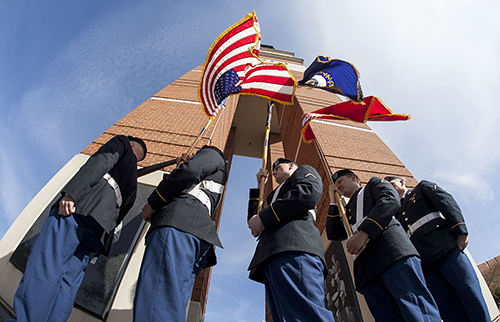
(376,223)
(460,223)
(275,212)
(160,195)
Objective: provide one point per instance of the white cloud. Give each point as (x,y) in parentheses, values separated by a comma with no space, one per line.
(437,61)
(16,178)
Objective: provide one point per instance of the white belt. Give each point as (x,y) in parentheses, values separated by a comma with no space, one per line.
(212,186)
(199,194)
(359,211)
(313,213)
(115,187)
(422,221)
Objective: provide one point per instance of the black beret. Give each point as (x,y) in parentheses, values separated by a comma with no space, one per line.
(341,173)
(281,160)
(390,178)
(141,143)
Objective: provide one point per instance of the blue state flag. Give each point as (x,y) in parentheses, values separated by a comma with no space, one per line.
(334,75)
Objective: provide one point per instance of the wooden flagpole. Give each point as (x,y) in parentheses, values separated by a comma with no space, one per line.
(143,171)
(298,148)
(337,196)
(342,214)
(211,118)
(264,156)
(191,148)
(160,166)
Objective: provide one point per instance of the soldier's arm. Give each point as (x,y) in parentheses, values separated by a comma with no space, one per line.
(306,191)
(204,163)
(386,205)
(93,170)
(335,229)
(447,205)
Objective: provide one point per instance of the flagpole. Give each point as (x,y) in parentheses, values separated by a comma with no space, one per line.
(191,148)
(342,214)
(264,156)
(210,119)
(152,168)
(337,196)
(298,148)
(147,170)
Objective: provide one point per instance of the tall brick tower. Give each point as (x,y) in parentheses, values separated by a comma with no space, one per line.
(169,122)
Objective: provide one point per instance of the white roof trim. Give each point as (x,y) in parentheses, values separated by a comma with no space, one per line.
(174,100)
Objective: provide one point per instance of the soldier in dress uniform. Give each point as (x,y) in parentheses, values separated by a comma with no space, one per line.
(387,269)
(289,258)
(80,225)
(180,242)
(434,223)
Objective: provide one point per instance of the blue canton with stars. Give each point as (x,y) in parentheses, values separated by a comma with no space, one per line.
(225,85)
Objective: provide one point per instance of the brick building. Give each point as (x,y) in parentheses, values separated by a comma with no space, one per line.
(172,118)
(491,272)
(169,122)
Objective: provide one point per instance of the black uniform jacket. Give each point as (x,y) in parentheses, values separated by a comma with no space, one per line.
(176,208)
(437,237)
(388,242)
(92,193)
(288,224)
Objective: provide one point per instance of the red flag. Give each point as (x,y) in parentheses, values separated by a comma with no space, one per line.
(233,67)
(372,109)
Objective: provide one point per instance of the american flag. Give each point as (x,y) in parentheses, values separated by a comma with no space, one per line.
(233,67)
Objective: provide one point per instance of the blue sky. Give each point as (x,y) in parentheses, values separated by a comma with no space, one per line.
(70,70)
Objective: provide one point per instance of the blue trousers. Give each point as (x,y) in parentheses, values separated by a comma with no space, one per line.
(295,288)
(56,267)
(399,293)
(455,287)
(171,262)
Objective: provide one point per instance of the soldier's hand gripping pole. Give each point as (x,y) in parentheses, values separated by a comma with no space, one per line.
(343,215)
(264,156)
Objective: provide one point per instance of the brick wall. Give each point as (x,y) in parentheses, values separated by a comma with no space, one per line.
(491,263)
